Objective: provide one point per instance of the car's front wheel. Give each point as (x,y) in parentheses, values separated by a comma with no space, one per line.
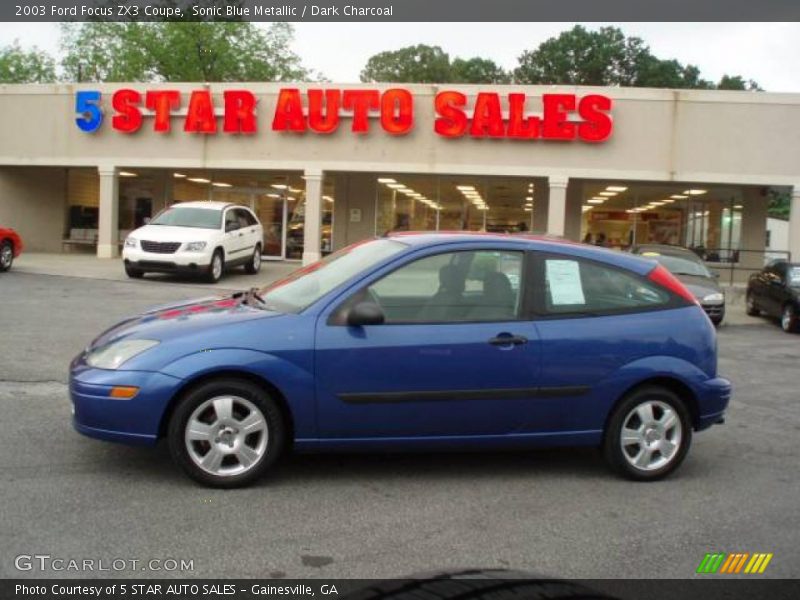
(254,264)
(226,433)
(133,272)
(648,434)
(215,267)
(6,256)
(789,319)
(750,305)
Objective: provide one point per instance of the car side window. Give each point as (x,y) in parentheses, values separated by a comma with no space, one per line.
(580,286)
(249,218)
(453,287)
(231,220)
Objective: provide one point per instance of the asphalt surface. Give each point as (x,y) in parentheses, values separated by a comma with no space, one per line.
(556,512)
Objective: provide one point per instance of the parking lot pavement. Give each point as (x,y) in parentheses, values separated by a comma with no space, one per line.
(556,512)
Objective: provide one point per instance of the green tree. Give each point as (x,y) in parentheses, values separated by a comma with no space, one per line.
(736,82)
(180,51)
(607,57)
(25,66)
(413,64)
(476,70)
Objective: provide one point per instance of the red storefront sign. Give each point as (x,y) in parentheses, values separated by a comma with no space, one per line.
(321,111)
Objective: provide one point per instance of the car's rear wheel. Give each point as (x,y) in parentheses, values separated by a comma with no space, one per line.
(133,272)
(750,305)
(254,264)
(215,267)
(6,256)
(789,319)
(226,433)
(648,434)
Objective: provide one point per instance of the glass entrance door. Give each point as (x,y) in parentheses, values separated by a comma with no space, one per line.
(271,211)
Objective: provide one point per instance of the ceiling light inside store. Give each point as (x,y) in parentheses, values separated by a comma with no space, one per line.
(528,210)
(738,207)
(200,180)
(127,174)
(596,201)
(529,198)
(295,190)
(178,175)
(656,204)
(695,192)
(679,196)
(273,195)
(221,184)
(279,186)
(386,180)
(465,188)
(667,201)
(395,186)
(616,188)
(609,194)
(327,198)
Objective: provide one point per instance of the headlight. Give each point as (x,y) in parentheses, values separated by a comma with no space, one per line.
(195,246)
(130,242)
(716,297)
(113,355)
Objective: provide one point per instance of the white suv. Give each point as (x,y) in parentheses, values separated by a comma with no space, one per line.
(195,237)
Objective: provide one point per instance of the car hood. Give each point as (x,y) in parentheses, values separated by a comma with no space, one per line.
(168,233)
(700,286)
(183,318)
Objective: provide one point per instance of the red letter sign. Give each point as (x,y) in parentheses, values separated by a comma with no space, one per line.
(289,112)
(361,102)
(487,118)
(452,121)
(518,126)
(556,126)
(161,102)
(397,111)
(240,115)
(128,118)
(329,122)
(597,127)
(200,118)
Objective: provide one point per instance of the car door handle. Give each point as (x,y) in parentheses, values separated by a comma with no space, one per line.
(508,340)
(241,235)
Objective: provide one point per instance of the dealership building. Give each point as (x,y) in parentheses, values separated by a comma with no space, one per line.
(325,165)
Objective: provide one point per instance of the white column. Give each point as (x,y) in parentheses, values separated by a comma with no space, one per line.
(794,224)
(557,206)
(108,225)
(312,235)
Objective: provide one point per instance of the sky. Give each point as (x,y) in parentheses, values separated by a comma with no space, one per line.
(765,52)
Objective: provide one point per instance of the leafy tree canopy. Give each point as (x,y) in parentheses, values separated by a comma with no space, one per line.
(21,66)
(607,57)
(413,64)
(179,51)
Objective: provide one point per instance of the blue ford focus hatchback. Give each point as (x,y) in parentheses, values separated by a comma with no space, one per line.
(416,342)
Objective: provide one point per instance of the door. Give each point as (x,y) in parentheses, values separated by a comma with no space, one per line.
(453,357)
(250,229)
(269,208)
(775,289)
(234,241)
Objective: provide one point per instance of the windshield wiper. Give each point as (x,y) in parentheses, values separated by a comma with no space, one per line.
(251,297)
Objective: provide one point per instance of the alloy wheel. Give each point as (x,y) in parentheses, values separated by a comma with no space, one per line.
(6,256)
(216,266)
(257,259)
(787,318)
(651,435)
(226,435)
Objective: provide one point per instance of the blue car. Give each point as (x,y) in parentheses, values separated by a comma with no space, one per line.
(418,342)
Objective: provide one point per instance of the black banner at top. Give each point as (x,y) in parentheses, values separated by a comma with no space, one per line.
(400,10)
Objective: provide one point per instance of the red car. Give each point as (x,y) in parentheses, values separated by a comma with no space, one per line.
(10,247)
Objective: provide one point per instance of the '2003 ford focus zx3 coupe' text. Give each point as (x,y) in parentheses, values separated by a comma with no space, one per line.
(416,342)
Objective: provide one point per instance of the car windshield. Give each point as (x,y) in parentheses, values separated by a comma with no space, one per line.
(680,265)
(307,285)
(189,216)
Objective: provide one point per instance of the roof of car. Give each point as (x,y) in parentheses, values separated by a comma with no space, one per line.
(542,243)
(203,204)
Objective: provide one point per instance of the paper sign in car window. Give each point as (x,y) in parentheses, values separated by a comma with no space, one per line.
(794,276)
(564,278)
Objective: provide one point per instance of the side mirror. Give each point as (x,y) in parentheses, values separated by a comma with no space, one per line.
(365,313)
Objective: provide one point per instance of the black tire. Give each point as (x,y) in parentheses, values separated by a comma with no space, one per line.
(751,308)
(214,274)
(6,255)
(621,460)
(789,318)
(717,321)
(476,584)
(275,431)
(254,264)
(133,272)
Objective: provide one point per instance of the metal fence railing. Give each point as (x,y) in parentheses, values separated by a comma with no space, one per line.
(735,265)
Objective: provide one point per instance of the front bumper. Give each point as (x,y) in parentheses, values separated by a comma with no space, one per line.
(713,398)
(180,261)
(716,312)
(132,421)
